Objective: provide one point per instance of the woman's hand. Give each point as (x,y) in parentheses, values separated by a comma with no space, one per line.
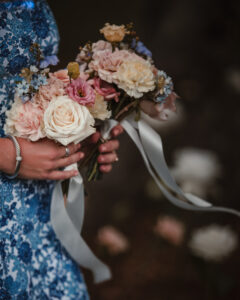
(107,150)
(150,108)
(41,159)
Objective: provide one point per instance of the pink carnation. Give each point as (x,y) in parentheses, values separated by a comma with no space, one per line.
(106,63)
(113,240)
(25,120)
(61,75)
(170,229)
(46,93)
(104,89)
(81,91)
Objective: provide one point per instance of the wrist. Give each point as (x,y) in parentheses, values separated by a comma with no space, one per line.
(7,156)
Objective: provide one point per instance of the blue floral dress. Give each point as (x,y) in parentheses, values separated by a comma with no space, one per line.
(33,264)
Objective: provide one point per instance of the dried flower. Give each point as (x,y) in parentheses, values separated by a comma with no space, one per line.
(73,70)
(113,33)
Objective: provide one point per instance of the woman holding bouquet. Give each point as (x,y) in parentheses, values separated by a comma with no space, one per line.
(33,264)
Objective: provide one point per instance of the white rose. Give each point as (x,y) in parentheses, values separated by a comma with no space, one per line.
(99,109)
(66,121)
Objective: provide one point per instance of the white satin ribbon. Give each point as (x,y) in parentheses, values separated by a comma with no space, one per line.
(67,221)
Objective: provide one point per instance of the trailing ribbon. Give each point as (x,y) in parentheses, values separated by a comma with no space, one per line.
(67,221)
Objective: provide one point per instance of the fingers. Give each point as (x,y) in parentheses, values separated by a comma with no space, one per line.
(61,175)
(109,146)
(150,108)
(105,168)
(66,161)
(107,158)
(117,130)
(61,151)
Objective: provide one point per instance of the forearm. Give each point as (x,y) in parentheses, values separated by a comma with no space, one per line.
(7,156)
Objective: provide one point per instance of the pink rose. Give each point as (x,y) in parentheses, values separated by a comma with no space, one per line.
(81,91)
(61,75)
(170,229)
(113,240)
(25,120)
(104,89)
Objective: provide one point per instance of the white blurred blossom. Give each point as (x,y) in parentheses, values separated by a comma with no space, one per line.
(213,242)
(233,79)
(196,170)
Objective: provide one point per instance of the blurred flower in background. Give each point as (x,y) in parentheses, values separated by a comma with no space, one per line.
(170,229)
(114,241)
(233,79)
(196,170)
(213,242)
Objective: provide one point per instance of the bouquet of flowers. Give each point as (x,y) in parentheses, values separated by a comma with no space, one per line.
(108,80)
(122,74)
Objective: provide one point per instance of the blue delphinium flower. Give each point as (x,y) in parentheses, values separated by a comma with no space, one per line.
(48,60)
(165,86)
(141,48)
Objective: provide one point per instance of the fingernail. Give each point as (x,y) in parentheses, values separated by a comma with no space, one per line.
(103,148)
(79,146)
(81,154)
(100,159)
(75,173)
(158,107)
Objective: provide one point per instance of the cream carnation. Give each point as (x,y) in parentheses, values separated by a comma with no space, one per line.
(113,33)
(24,120)
(99,109)
(66,121)
(135,77)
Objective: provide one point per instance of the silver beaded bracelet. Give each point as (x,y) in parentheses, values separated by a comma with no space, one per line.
(18,157)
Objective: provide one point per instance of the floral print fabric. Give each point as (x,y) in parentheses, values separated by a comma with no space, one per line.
(33,264)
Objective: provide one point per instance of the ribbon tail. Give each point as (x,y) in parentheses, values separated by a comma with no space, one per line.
(149,144)
(67,227)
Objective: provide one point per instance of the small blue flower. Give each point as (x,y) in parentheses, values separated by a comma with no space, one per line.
(22,88)
(165,86)
(141,48)
(25,252)
(49,60)
(36,82)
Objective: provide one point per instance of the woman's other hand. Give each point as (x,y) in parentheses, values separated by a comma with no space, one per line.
(107,150)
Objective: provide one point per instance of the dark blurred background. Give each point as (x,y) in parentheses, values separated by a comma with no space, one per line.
(198,44)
